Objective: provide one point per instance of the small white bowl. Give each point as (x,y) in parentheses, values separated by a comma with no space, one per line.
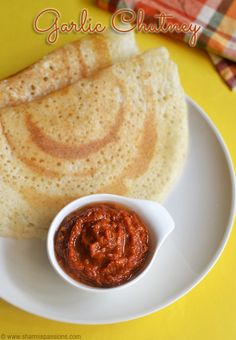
(157,219)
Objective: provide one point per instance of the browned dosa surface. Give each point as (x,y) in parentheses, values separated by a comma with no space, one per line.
(66,65)
(121,131)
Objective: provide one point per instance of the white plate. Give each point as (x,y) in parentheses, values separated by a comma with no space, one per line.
(202,204)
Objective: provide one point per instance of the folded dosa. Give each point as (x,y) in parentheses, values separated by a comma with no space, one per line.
(66,65)
(121,131)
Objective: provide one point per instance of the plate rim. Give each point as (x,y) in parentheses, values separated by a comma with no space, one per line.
(201,276)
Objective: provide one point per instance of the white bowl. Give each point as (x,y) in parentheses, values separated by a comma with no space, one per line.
(157,219)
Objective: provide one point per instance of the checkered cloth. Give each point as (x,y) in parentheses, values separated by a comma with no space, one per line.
(216,17)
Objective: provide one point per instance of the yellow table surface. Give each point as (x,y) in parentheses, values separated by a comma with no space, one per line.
(209,310)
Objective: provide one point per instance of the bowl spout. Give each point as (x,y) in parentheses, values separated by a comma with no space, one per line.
(160,222)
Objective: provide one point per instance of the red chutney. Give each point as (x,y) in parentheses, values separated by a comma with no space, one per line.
(102,245)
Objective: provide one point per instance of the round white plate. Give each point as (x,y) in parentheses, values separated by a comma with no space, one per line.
(202,204)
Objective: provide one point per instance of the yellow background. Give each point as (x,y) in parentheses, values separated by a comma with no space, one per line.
(209,310)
